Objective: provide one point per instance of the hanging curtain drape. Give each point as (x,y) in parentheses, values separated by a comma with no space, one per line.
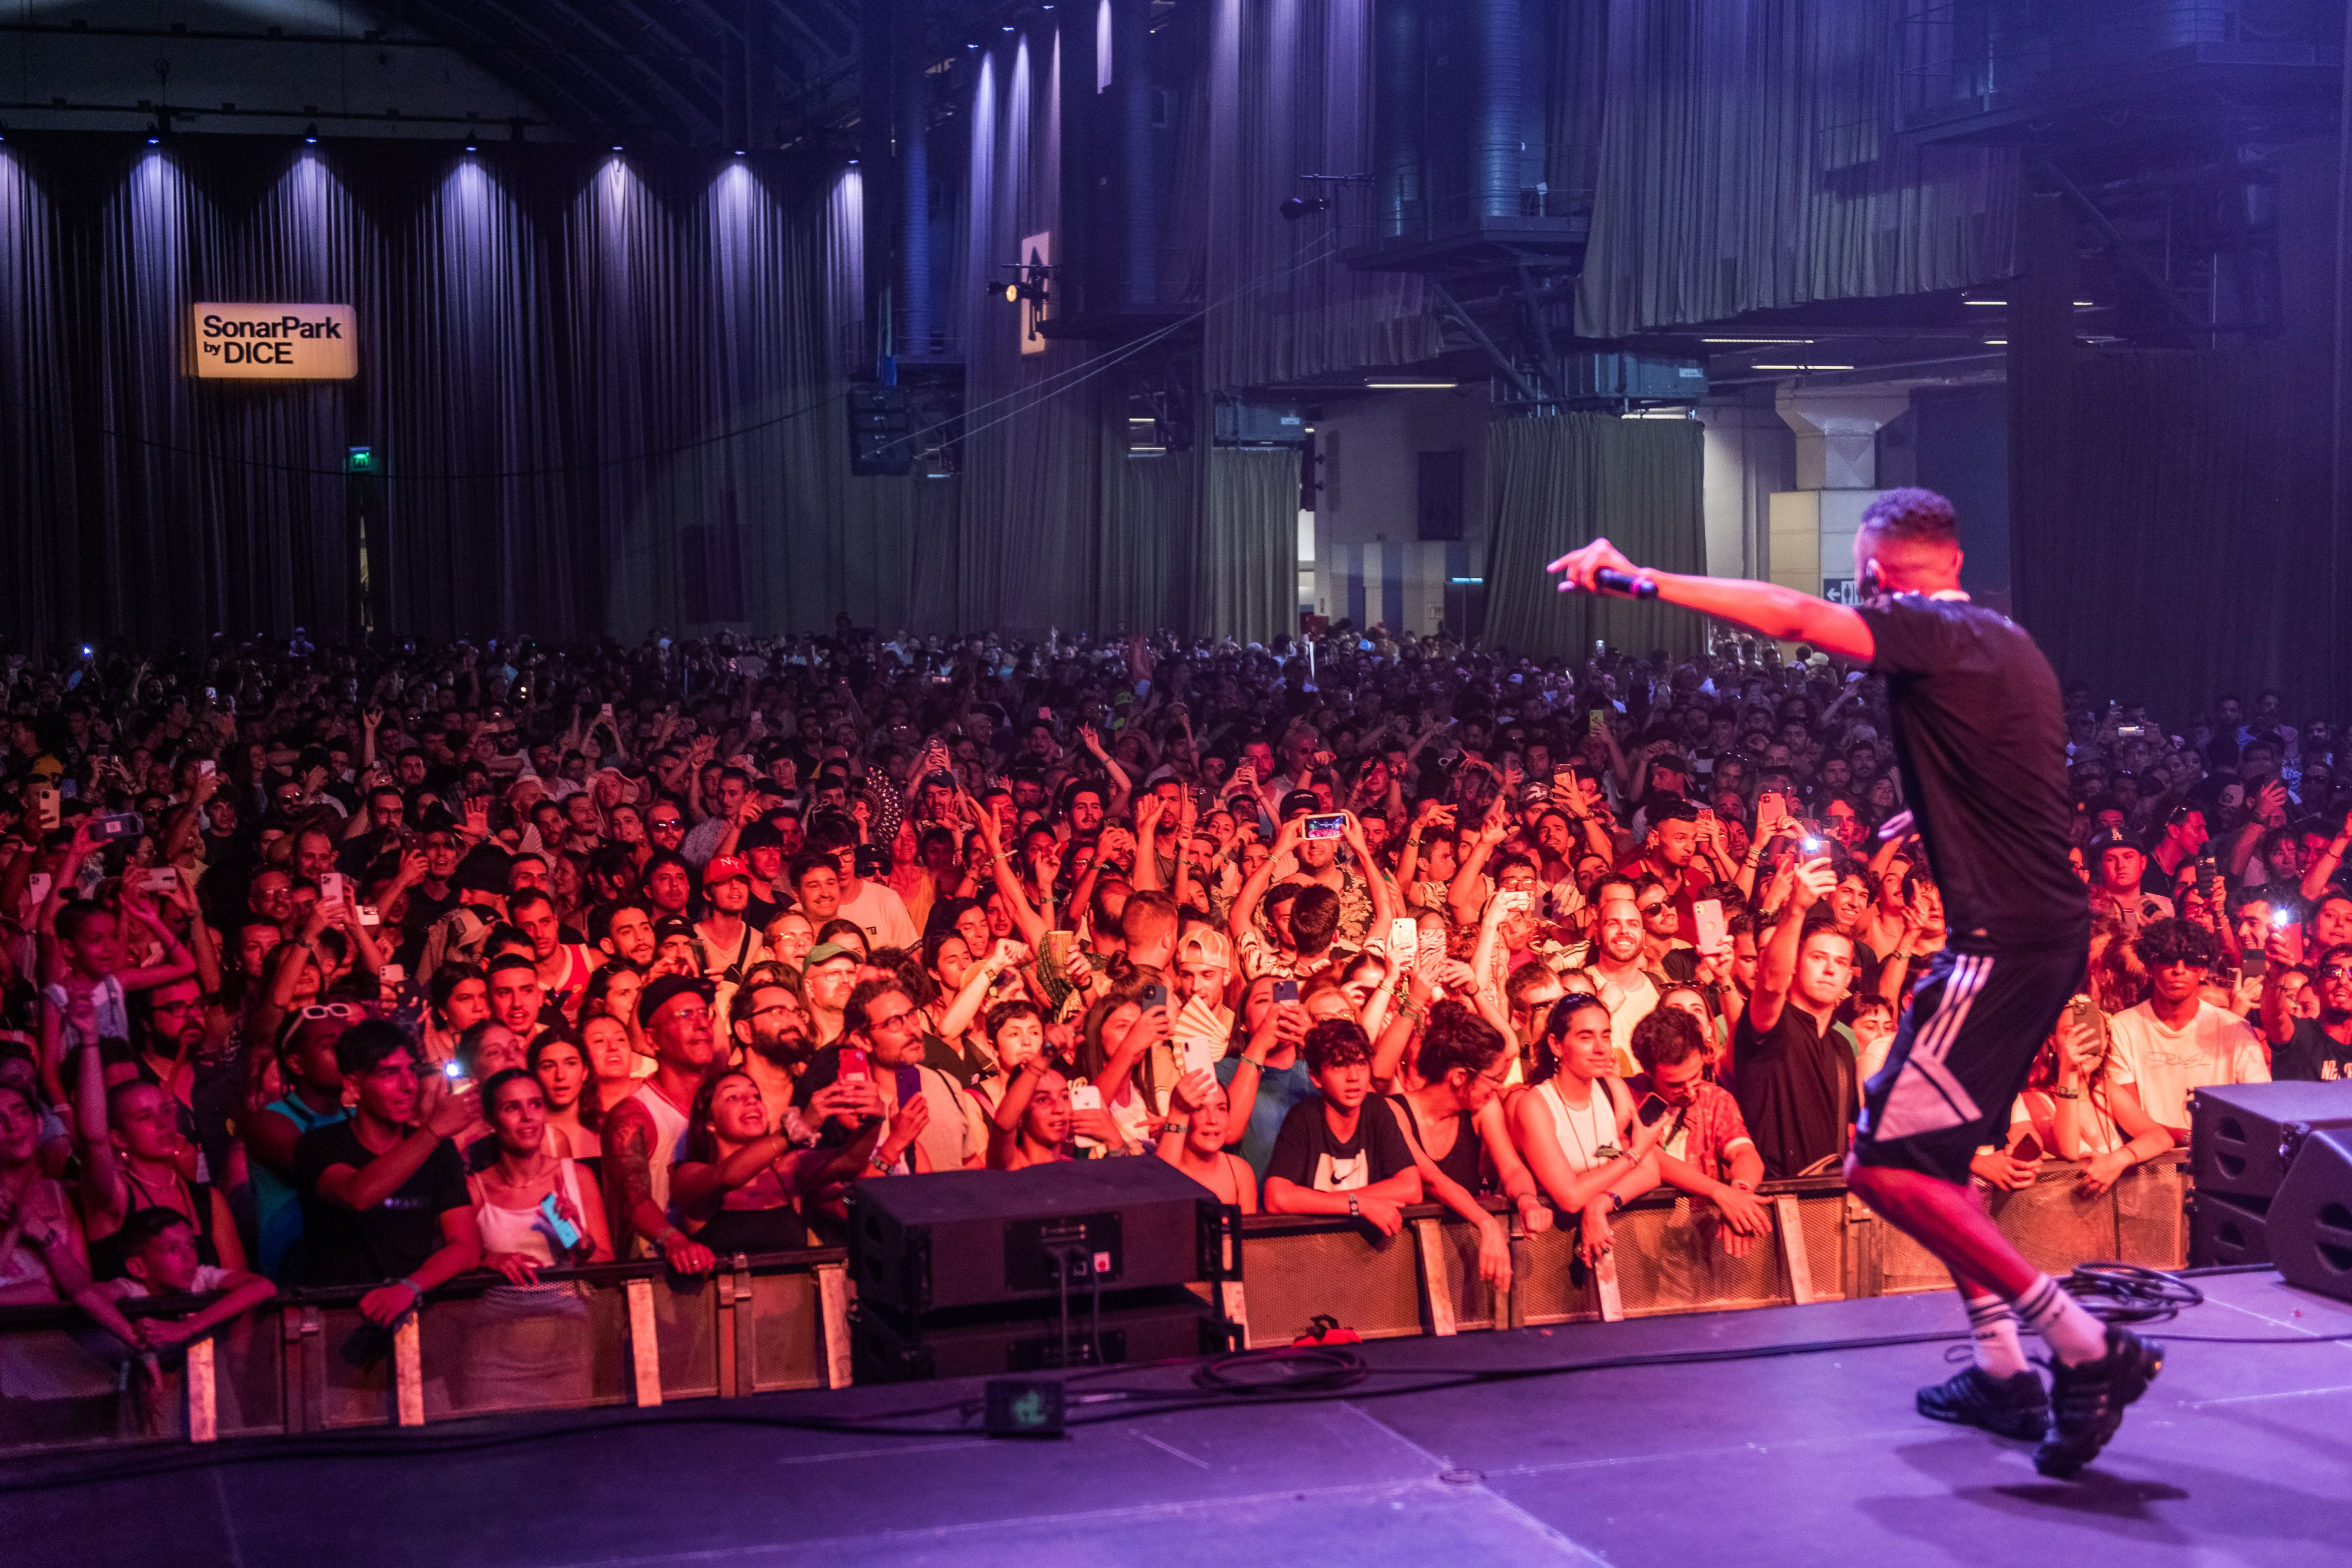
(1247,584)
(1271,89)
(1555,483)
(1748,160)
(601,395)
(2195,503)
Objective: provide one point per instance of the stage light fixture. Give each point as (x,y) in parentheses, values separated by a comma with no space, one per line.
(311,134)
(617,147)
(739,153)
(1294,208)
(1410,386)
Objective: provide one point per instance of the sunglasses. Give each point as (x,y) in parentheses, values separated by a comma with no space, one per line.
(316,1010)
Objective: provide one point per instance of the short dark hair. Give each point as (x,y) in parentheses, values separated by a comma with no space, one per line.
(79,913)
(1004,1013)
(1667,1036)
(1314,917)
(142,1225)
(808,862)
(1911,513)
(868,992)
(364,1047)
(1335,1042)
(2173,940)
(510,961)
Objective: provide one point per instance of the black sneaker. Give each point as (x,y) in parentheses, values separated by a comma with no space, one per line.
(2012,1406)
(2087,1401)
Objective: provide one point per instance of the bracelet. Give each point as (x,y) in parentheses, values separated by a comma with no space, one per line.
(1256,1061)
(1355,1210)
(1179,1128)
(415,1291)
(2065,1093)
(1616,1202)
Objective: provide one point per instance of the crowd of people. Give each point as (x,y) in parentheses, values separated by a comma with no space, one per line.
(372,967)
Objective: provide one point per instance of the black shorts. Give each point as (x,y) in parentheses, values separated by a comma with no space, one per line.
(1961,1056)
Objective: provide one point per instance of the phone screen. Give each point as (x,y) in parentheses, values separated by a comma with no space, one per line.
(1327,827)
(1706,916)
(1653,1110)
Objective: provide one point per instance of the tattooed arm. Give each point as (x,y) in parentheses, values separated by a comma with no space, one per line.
(628,1143)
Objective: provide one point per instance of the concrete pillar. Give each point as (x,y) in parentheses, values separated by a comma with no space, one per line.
(1749,455)
(1837,477)
(1837,433)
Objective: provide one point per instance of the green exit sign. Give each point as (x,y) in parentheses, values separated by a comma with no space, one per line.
(362,460)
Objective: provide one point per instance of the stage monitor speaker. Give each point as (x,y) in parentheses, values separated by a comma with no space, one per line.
(2225,1232)
(1167,1324)
(2244,1136)
(2311,1219)
(968,1238)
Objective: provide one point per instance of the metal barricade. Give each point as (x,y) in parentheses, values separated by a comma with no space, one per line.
(628,1334)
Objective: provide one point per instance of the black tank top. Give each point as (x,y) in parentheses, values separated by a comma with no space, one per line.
(107,1258)
(1461,1161)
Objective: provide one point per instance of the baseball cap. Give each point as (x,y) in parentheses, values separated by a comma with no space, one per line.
(1299,800)
(673,925)
(1536,795)
(2107,839)
(661,990)
(484,870)
(724,868)
(1203,945)
(47,766)
(827,952)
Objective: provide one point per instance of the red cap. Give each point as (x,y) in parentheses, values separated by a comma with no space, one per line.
(722,867)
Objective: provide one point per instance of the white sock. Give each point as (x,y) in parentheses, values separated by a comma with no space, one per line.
(1994,1327)
(2074,1335)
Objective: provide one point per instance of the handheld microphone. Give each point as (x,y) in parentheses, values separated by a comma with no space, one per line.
(1625,583)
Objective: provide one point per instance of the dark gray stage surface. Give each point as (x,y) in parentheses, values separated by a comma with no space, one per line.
(2240,1454)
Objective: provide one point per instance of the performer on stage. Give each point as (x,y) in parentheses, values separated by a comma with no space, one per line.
(1980,736)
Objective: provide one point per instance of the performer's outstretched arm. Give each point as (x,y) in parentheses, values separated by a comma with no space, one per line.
(1764,607)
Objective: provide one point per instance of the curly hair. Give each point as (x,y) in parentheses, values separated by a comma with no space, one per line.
(2173,940)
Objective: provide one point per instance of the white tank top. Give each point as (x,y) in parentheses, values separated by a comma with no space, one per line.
(518,1230)
(1583,1131)
(669,1127)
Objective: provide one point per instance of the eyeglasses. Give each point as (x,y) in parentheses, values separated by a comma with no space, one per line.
(690,1015)
(316,1010)
(1651,908)
(895,1021)
(2336,972)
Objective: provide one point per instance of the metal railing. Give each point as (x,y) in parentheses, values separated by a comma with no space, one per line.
(630,1335)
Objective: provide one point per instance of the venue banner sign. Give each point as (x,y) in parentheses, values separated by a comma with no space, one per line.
(276,342)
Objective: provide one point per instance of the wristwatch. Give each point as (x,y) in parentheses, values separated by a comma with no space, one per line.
(1355,1210)
(1179,1128)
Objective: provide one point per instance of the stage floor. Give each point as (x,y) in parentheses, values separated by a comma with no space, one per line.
(2239,1453)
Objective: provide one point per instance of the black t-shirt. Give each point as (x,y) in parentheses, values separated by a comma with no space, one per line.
(365,1246)
(1796,1087)
(1982,738)
(1307,1155)
(2311,1056)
